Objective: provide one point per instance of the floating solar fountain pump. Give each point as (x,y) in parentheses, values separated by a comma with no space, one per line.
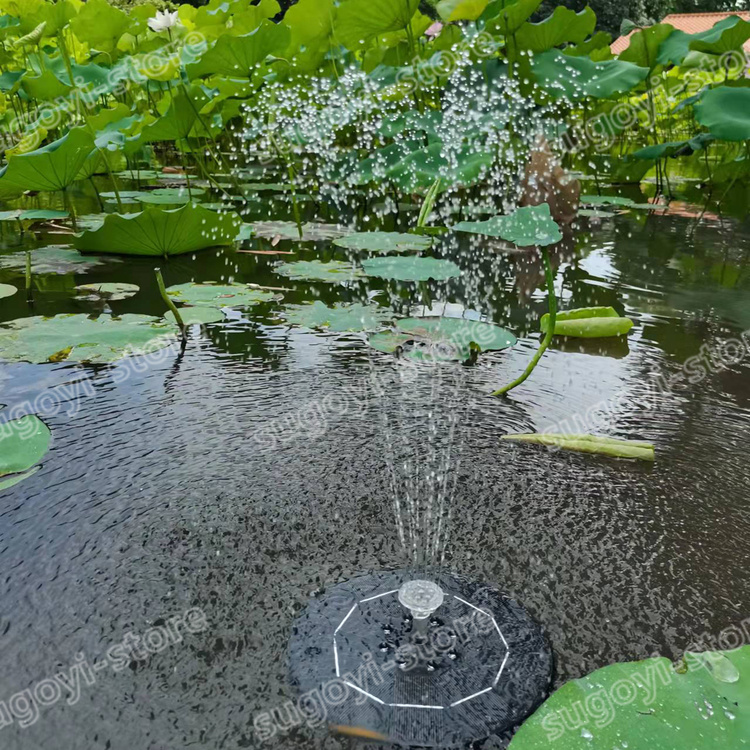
(429,663)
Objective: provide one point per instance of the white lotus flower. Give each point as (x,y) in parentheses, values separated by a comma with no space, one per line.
(163,20)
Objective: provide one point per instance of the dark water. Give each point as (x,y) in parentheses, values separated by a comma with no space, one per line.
(248,473)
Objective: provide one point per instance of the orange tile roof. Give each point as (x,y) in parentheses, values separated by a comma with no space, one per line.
(690,23)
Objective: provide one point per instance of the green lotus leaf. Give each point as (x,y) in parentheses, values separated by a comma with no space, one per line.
(176,123)
(588,323)
(525,227)
(384,242)
(442,339)
(564,25)
(334,271)
(310,23)
(138,174)
(598,42)
(675,48)
(506,17)
(53,259)
(643,49)
(606,200)
(420,168)
(112,291)
(52,167)
(410,268)
(212,294)
(461,10)
(675,148)
(100,25)
(10,81)
(341,317)
(157,232)
(720,41)
(687,708)
(578,77)
(44,87)
(7,290)
(589,444)
(358,21)
(595,213)
(237,56)
(14,479)
(725,111)
(287,230)
(23,444)
(9,25)
(79,338)
(263,186)
(164,196)
(33,214)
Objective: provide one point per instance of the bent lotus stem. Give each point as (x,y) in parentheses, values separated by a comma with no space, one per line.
(170,304)
(550,328)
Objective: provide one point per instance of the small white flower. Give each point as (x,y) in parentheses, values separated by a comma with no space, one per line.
(163,20)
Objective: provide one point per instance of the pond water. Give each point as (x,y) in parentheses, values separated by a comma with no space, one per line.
(248,472)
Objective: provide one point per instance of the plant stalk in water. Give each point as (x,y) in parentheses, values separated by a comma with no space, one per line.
(550,328)
(428,204)
(29,292)
(170,304)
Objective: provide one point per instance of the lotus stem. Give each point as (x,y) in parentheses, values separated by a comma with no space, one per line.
(29,291)
(550,328)
(170,304)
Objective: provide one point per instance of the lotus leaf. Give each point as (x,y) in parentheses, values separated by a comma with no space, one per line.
(54,259)
(33,214)
(334,271)
(606,200)
(110,291)
(358,21)
(525,227)
(410,268)
(383,242)
(341,317)
(564,25)
(506,17)
(643,49)
(52,167)
(23,443)
(7,290)
(211,294)
(725,111)
(157,232)
(79,338)
(237,56)
(690,707)
(578,77)
(442,339)
(100,25)
(287,230)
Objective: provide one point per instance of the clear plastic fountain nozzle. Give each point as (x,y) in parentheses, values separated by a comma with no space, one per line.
(421,598)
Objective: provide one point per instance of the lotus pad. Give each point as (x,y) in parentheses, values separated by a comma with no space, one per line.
(23,443)
(78,338)
(218,295)
(525,227)
(335,271)
(340,317)
(384,242)
(442,339)
(410,268)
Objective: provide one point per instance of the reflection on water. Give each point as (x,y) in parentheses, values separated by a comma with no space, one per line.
(268,462)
